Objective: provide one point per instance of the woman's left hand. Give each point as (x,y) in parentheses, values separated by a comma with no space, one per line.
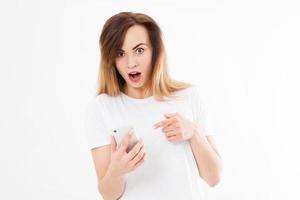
(176,127)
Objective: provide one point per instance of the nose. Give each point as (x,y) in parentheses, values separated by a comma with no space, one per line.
(131,63)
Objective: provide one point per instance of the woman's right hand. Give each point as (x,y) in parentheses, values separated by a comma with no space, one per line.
(122,162)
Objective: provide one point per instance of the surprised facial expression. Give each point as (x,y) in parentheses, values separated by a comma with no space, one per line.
(133,60)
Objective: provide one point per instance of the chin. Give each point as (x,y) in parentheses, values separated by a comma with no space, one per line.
(138,85)
(135,85)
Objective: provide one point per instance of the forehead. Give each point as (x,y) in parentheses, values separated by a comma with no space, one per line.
(135,35)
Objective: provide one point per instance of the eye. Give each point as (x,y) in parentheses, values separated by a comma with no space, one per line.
(120,54)
(139,50)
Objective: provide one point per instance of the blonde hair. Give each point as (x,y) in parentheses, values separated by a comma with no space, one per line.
(111,39)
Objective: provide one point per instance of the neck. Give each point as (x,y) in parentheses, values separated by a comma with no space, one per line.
(138,93)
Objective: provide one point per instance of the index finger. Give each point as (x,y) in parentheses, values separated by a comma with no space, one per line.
(163,123)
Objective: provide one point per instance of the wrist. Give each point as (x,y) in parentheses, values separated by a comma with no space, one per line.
(112,174)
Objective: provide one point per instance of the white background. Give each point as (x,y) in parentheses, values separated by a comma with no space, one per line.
(244,55)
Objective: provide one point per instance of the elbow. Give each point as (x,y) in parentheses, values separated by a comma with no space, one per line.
(214,179)
(108,194)
(213,182)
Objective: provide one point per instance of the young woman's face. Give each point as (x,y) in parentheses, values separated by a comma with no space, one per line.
(135,56)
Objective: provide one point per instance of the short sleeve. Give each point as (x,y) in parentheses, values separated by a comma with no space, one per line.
(200,112)
(95,128)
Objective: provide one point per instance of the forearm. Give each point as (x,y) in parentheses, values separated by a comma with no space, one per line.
(208,161)
(112,187)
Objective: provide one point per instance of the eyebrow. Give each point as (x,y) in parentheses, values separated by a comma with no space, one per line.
(135,46)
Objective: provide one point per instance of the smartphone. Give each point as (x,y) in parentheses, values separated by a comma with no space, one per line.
(121,132)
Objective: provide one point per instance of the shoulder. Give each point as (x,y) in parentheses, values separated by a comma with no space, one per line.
(194,88)
(102,103)
(190,92)
(193,95)
(96,102)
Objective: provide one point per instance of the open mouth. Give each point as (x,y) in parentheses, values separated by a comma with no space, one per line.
(135,76)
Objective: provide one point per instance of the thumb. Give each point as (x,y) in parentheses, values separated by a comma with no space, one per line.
(113,144)
(168,115)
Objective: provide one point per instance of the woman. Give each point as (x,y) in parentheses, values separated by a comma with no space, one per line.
(175,151)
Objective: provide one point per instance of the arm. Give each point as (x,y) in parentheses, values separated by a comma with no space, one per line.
(208,159)
(113,163)
(110,187)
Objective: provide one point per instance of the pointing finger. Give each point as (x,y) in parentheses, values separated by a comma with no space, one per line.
(163,123)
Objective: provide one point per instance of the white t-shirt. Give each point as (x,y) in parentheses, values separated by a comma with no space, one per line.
(170,169)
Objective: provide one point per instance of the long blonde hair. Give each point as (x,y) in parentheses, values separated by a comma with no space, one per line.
(111,39)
